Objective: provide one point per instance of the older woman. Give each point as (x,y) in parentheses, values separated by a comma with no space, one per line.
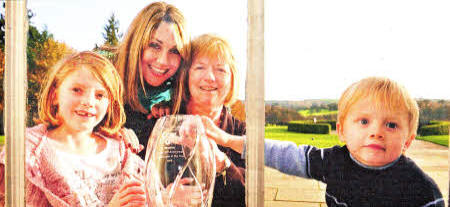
(210,87)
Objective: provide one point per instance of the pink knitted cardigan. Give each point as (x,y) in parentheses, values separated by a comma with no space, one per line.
(46,187)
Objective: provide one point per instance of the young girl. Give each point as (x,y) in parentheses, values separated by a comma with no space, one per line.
(148,61)
(76,156)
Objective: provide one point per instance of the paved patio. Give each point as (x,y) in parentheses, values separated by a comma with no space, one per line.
(282,190)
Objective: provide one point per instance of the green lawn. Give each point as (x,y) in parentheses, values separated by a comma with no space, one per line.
(318,140)
(322,112)
(437,139)
(2,140)
(328,140)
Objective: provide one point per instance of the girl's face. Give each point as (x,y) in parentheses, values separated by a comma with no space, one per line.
(160,58)
(82,101)
(209,82)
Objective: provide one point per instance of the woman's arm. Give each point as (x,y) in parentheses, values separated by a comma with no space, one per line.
(221,137)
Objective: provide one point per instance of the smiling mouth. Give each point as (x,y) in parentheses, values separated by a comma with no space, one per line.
(208,88)
(157,70)
(84,114)
(376,147)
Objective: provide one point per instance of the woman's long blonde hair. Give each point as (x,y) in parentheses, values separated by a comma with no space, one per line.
(135,41)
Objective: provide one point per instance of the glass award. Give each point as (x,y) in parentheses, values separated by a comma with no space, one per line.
(179,163)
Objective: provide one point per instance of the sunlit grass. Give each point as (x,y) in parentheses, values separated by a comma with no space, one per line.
(437,139)
(308,112)
(317,140)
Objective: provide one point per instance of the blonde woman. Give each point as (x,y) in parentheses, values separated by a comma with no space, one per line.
(149,61)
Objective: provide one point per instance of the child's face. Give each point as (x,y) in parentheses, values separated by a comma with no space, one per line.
(374,135)
(209,81)
(82,101)
(160,59)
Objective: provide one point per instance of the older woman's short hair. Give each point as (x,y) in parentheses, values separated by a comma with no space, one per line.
(213,47)
(137,39)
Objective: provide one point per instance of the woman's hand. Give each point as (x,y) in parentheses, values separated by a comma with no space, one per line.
(131,140)
(221,137)
(130,194)
(221,158)
(159,110)
(185,194)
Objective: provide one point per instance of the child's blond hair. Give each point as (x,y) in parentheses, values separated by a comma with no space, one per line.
(384,93)
(104,72)
(215,48)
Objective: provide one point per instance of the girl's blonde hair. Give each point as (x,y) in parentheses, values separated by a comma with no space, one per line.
(136,40)
(385,93)
(212,47)
(104,72)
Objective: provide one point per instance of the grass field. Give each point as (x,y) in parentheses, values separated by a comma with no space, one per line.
(328,140)
(438,139)
(318,140)
(322,112)
(2,140)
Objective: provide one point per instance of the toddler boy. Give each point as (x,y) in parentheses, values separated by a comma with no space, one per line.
(377,121)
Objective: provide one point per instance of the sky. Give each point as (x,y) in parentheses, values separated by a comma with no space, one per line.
(80,24)
(313,49)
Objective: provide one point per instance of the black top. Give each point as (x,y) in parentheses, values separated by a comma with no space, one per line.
(142,126)
(351,184)
(231,194)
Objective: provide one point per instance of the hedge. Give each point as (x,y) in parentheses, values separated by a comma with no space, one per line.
(435,128)
(331,122)
(308,127)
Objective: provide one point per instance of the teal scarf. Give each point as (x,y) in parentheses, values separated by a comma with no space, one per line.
(155,95)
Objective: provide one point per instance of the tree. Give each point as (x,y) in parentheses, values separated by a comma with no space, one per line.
(2,29)
(111,34)
(238,110)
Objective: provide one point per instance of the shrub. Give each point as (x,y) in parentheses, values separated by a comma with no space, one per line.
(435,128)
(332,123)
(308,127)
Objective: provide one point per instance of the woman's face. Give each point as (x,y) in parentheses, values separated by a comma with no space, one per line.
(160,58)
(209,82)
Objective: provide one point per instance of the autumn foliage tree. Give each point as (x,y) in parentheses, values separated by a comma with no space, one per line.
(42,53)
(45,55)
(238,110)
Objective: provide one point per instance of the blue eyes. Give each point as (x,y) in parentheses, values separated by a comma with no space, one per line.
(391,125)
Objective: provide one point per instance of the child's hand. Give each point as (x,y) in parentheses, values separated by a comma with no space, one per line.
(131,140)
(130,194)
(159,110)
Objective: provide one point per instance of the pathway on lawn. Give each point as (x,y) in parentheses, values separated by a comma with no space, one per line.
(282,190)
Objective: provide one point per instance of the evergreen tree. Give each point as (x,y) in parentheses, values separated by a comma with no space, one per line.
(111,34)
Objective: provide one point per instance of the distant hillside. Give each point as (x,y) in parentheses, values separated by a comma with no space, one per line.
(301,104)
